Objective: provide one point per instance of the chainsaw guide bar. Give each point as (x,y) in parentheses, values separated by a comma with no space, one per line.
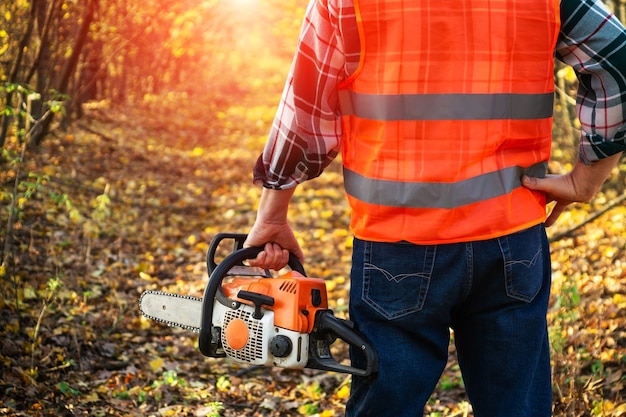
(175,310)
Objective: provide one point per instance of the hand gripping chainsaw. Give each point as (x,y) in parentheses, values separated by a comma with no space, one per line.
(251,317)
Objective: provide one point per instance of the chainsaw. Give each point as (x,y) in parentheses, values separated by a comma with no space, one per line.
(248,315)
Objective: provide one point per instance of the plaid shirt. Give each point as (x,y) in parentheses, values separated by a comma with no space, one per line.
(307,130)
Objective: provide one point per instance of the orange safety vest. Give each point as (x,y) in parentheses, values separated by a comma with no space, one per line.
(448,108)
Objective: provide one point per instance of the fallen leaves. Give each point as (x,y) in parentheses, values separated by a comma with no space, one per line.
(140,207)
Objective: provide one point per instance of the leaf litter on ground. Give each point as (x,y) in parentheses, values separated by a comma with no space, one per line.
(141,201)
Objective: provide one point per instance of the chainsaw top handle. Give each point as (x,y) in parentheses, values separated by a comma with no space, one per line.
(217,273)
(238,240)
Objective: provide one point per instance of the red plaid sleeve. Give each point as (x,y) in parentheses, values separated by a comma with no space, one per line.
(306,132)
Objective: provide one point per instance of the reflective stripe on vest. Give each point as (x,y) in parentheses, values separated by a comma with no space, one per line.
(446,107)
(438,195)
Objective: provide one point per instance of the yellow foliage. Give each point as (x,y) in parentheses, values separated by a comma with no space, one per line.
(202,247)
(75,216)
(145,276)
(570,75)
(343,392)
(145,323)
(197,151)
(29,293)
(156,364)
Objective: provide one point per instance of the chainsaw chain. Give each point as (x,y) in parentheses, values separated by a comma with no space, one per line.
(169,294)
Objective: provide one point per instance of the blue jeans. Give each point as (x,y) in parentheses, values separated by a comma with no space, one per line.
(494,294)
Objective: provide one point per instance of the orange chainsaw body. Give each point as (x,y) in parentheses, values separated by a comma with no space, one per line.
(296,298)
(252,317)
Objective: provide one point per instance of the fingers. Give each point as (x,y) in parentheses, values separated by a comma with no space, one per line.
(275,255)
(271,257)
(554,214)
(529,182)
(537,184)
(556,189)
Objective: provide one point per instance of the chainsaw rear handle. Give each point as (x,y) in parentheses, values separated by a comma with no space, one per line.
(208,342)
(328,328)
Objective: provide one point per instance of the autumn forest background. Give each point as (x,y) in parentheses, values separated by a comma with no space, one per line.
(128,132)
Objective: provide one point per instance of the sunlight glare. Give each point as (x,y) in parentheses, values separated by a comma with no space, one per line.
(243,3)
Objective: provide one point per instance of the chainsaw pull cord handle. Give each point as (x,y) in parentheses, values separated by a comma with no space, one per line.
(206,344)
(259,300)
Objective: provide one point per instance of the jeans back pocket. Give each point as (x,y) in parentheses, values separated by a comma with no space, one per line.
(524,265)
(396,277)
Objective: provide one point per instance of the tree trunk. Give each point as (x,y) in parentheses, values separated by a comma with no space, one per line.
(42,65)
(13,75)
(69,69)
